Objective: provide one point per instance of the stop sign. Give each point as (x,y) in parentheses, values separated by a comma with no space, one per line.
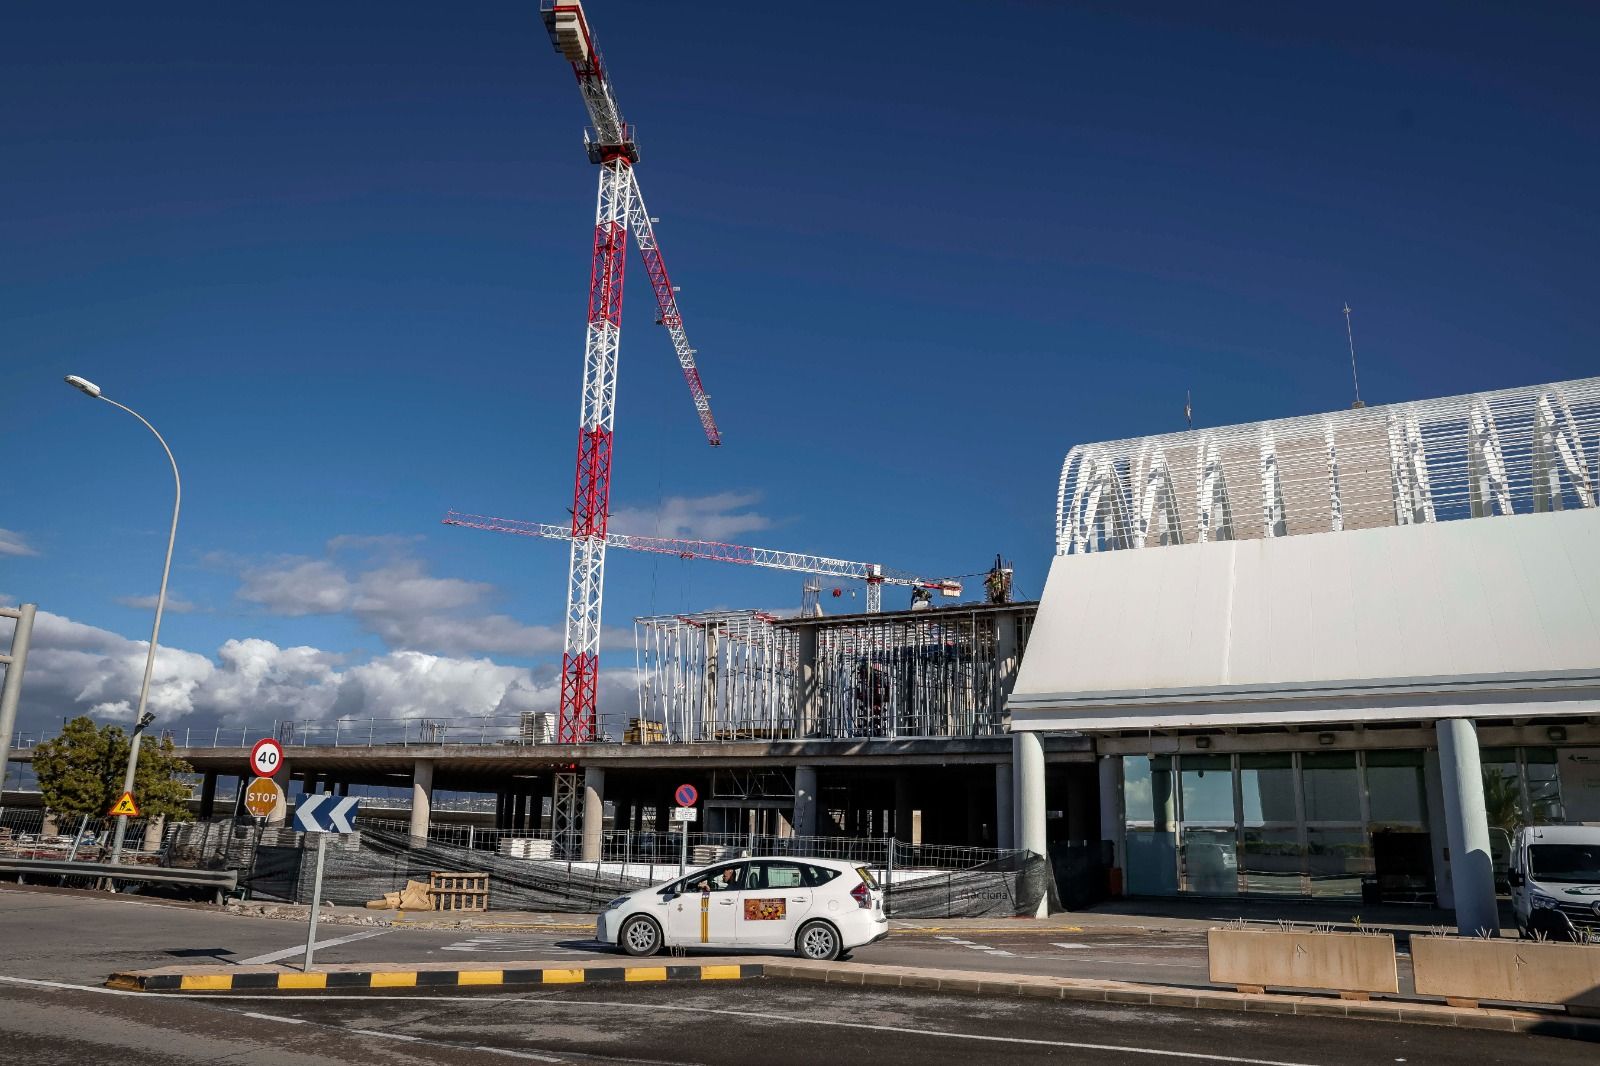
(262,797)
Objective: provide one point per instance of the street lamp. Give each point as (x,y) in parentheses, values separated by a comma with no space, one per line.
(142,718)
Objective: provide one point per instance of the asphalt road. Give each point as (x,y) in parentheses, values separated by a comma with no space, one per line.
(83,937)
(57,948)
(721,1024)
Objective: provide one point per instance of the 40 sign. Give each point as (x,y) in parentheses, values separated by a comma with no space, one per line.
(266,758)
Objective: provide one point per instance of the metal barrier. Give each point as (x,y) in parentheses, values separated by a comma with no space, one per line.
(220,882)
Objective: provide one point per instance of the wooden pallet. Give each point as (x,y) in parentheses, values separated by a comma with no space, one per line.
(458,891)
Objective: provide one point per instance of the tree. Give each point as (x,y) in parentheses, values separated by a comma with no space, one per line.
(81,771)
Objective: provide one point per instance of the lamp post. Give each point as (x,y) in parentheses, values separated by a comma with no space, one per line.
(142,718)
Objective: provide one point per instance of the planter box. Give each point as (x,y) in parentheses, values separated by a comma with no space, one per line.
(1339,962)
(1514,971)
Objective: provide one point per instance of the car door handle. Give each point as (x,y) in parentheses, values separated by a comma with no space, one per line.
(799,899)
(726,902)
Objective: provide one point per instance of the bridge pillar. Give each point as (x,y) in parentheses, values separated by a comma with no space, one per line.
(1005,829)
(208,795)
(805,800)
(594,812)
(421,797)
(1027,754)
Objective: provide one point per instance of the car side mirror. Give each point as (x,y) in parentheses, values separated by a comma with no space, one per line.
(669,895)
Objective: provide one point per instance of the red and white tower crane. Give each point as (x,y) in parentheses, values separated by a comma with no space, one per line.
(619,207)
(876,575)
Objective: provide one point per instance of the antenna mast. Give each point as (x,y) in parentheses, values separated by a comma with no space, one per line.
(1351,337)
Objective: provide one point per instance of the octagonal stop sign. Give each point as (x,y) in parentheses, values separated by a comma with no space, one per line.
(262,797)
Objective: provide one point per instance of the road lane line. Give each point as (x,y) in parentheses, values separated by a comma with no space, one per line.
(376,1032)
(1197,1056)
(509,1053)
(273,1017)
(289,953)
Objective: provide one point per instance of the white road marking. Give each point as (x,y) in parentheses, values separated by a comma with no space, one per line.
(517,1054)
(273,1017)
(289,953)
(562,1002)
(1069,946)
(797,1020)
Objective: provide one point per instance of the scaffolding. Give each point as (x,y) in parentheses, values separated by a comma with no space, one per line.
(717,675)
(748,675)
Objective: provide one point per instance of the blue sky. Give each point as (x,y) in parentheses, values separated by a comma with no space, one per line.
(338,254)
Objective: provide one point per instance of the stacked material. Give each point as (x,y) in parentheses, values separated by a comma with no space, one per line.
(644,731)
(526,848)
(706,854)
(414,897)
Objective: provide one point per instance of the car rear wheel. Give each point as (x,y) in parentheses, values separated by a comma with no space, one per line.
(818,941)
(640,937)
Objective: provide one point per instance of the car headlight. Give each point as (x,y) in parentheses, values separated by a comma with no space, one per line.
(614,904)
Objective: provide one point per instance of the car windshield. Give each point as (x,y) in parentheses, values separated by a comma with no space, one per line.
(1572,864)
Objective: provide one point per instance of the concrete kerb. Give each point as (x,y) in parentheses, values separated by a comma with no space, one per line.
(431,977)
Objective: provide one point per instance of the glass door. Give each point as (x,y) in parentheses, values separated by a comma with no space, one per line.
(1208,851)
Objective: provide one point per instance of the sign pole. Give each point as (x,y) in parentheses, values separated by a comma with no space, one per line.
(683,848)
(316,900)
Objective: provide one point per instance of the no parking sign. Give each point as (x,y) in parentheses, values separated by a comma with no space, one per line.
(686,795)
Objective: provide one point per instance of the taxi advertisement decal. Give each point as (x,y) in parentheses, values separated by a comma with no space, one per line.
(764,910)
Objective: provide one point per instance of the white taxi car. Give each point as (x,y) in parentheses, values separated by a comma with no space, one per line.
(819,908)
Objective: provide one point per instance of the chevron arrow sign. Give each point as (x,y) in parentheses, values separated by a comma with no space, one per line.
(324,813)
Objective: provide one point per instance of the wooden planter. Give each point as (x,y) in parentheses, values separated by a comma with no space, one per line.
(1352,964)
(1466,970)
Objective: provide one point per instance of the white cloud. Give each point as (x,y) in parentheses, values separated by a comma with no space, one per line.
(391,595)
(75,668)
(720,516)
(14,543)
(175,604)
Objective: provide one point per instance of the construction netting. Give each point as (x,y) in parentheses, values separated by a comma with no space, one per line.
(380,861)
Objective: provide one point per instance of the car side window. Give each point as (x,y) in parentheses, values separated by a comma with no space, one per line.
(816,876)
(721,879)
(774,875)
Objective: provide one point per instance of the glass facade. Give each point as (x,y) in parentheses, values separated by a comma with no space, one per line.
(1319,824)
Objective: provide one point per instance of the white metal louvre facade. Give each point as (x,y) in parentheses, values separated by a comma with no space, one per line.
(1313,572)
(1495,453)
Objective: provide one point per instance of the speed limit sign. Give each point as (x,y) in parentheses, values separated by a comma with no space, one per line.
(266,757)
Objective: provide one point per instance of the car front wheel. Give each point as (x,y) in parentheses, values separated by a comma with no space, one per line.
(818,941)
(640,937)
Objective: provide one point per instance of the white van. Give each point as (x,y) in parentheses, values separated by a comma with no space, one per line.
(1555,881)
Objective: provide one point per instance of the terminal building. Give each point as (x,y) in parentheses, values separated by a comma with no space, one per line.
(1333,656)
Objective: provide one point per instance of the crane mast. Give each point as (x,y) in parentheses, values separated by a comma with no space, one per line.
(609,144)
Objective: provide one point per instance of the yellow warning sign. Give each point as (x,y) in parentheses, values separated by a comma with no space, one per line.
(125,805)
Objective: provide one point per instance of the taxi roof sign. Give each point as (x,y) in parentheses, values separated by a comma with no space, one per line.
(125,805)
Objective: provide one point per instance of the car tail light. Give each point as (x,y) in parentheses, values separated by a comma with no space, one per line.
(862,895)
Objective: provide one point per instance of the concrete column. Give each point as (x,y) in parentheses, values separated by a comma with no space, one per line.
(1113,820)
(285,779)
(343,788)
(805,793)
(154,829)
(808,698)
(1438,831)
(1471,868)
(208,795)
(903,816)
(1007,657)
(421,797)
(1027,757)
(1005,825)
(594,811)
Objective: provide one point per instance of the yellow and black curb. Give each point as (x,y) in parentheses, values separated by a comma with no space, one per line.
(354,980)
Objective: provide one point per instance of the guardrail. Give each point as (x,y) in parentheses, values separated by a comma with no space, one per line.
(348,732)
(221,881)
